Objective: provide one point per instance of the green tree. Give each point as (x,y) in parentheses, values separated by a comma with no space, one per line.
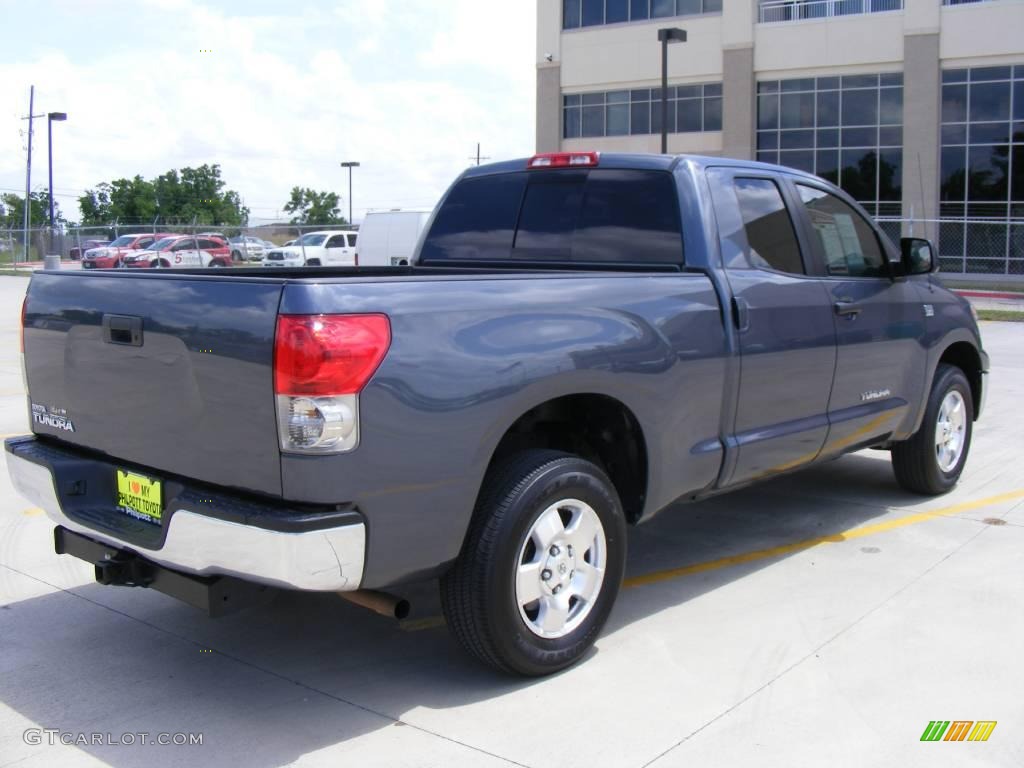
(309,206)
(174,197)
(12,210)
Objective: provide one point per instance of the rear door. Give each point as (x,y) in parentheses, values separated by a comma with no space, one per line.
(879,323)
(190,394)
(784,325)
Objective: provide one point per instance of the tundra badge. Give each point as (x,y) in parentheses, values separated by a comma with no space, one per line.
(52,417)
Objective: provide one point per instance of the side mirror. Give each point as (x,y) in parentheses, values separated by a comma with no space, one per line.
(917,256)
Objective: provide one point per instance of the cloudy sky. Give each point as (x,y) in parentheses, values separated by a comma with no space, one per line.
(287,90)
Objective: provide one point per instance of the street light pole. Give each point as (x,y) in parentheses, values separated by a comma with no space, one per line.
(350,165)
(59,117)
(666,36)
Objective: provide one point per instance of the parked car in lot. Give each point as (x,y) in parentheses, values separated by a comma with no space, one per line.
(182,251)
(581,342)
(329,248)
(388,238)
(247,248)
(75,253)
(108,256)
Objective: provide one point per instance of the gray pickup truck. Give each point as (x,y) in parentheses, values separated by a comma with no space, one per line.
(582,341)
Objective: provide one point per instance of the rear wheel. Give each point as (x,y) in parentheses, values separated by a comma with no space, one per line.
(931,461)
(216,263)
(541,565)
(313,263)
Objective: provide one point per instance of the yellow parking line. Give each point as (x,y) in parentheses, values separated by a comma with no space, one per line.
(853,533)
(32,512)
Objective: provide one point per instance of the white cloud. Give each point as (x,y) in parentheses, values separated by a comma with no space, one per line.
(406,88)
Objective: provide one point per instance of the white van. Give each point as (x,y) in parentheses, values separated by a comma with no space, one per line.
(388,238)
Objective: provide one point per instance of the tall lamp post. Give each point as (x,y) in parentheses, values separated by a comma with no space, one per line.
(666,36)
(50,118)
(350,165)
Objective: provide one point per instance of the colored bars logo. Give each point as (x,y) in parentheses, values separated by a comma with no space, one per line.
(958,730)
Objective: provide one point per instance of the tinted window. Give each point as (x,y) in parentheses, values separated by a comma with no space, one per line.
(849,244)
(351,240)
(771,239)
(336,241)
(477,220)
(629,216)
(145,242)
(551,209)
(563,215)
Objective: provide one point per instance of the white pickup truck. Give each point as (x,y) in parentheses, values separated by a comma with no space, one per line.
(327,248)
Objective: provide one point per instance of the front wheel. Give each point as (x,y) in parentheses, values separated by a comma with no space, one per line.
(931,461)
(541,565)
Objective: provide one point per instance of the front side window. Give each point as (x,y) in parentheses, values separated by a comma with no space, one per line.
(771,239)
(848,243)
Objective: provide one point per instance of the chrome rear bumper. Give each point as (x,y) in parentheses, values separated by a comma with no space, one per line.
(329,559)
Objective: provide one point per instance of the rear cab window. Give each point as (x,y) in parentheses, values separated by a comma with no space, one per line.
(585,216)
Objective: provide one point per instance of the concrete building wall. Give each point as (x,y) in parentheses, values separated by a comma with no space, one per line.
(921,106)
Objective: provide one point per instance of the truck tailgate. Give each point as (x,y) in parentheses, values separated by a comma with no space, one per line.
(169,372)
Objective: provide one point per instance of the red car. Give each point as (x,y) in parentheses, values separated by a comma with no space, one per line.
(182,251)
(113,255)
(76,252)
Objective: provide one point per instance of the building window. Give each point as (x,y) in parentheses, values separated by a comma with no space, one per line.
(691,108)
(848,130)
(592,13)
(982,170)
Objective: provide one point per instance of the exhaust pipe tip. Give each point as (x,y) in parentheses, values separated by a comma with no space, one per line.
(382,603)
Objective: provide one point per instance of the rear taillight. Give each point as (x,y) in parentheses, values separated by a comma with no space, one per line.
(564,160)
(321,363)
(24,305)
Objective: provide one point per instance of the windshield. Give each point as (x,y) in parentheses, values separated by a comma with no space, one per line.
(160,245)
(311,240)
(122,241)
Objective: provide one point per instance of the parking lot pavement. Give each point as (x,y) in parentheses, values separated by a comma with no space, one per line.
(824,618)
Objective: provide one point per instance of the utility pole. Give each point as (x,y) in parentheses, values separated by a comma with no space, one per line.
(28,167)
(478,158)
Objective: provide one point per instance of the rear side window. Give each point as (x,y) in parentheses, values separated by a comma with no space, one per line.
(598,215)
(771,239)
(847,240)
(351,241)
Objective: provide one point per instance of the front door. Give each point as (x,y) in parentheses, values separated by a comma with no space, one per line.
(879,322)
(783,318)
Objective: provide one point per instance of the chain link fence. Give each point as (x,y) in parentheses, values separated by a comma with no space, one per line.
(246,242)
(965,246)
(983,247)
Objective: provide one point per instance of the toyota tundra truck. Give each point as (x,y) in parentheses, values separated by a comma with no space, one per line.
(582,341)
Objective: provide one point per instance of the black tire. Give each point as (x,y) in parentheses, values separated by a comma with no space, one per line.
(914,461)
(236,256)
(313,263)
(478,594)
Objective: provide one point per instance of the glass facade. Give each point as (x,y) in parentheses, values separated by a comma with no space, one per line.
(848,130)
(638,112)
(591,13)
(982,170)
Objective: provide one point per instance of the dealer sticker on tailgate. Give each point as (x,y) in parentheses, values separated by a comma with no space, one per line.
(139,496)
